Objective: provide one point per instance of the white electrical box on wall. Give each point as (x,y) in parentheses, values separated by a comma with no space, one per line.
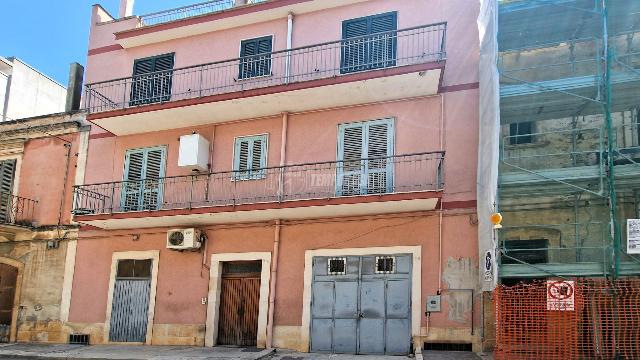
(194,152)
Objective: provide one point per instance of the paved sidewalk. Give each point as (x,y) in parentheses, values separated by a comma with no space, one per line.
(131,352)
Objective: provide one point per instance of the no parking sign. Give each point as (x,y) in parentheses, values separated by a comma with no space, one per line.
(560,295)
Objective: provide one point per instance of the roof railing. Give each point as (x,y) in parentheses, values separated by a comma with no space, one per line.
(184,12)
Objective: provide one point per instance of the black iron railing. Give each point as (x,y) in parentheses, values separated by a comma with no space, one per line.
(322,180)
(16,210)
(417,45)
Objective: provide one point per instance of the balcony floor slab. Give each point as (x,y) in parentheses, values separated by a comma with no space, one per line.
(288,210)
(353,89)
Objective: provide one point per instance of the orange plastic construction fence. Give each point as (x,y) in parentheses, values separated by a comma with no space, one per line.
(578,319)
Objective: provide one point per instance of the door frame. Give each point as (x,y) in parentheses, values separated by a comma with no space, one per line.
(215,285)
(416,284)
(154,256)
(16,296)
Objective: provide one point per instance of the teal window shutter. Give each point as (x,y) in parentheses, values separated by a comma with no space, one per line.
(365,163)
(377,50)
(142,183)
(255,55)
(250,157)
(152,79)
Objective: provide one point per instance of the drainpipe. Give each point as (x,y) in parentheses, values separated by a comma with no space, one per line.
(289,45)
(272,285)
(283,154)
(440,248)
(67,145)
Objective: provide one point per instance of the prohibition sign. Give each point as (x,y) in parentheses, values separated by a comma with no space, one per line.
(560,290)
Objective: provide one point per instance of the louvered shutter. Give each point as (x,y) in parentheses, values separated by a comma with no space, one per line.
(152,78)
(7,173)
(382,49)
(352,166)
(141,86)
(354,52)
(369,52)
(162,79)
(134,163)
(365,150)
(154,168)
(256,154)
(255,57)
(250,157)
(142,189)
(378,152)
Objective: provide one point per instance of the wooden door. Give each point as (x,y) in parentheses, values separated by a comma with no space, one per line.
(239,303)
(8,280)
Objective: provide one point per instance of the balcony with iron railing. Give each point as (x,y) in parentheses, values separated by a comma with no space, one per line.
(16,210)
(415,50)
(354,181)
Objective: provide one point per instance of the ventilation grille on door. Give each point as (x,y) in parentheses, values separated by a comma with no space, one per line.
(337,266)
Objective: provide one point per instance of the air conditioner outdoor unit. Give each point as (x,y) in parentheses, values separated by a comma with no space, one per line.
(184,239)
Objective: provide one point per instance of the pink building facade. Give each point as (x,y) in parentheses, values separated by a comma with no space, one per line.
(287,173)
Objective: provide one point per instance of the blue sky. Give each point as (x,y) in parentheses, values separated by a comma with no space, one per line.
(51,34)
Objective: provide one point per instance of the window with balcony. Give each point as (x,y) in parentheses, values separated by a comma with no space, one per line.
(521,133)
(250,157)
(151,81)
(255,57)
(142,185)
(369,42)
(365,152)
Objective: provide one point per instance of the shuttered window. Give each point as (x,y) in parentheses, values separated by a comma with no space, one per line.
(143,173)
(152,78)
(255,57)
(250,157)
(7,173)
(364,153)
(369,42)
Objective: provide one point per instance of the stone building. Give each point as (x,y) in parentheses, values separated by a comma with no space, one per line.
(41,159)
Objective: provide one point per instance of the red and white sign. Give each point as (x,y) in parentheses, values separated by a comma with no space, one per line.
(560,295)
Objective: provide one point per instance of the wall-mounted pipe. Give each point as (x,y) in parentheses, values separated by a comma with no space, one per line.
(272,285)
(289,46)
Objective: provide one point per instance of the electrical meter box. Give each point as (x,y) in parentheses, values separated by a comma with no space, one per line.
(433,303)
(194,152)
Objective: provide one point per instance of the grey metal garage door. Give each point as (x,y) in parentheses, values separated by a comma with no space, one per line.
(361,305)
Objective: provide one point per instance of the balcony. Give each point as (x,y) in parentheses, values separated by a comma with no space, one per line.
(400,183)
(16,215)
(378,67)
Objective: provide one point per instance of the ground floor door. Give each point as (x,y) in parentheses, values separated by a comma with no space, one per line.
(239,303)
(361,305)
(130,305)
(8,280)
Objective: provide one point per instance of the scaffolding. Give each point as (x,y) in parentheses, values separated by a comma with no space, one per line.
(569,171)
